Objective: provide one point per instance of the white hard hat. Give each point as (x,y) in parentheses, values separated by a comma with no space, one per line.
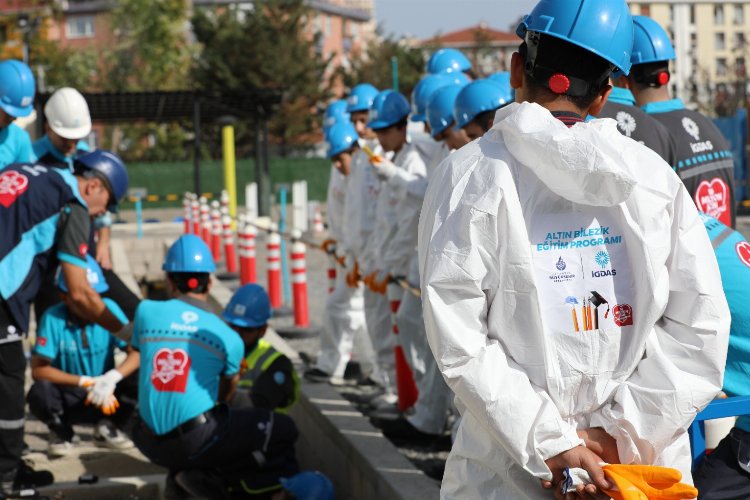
(68,114)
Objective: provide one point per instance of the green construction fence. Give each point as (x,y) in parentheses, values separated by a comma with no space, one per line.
(167,181)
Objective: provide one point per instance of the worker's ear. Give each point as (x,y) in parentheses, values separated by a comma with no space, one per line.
(209,284)
(600,100)
(517,73)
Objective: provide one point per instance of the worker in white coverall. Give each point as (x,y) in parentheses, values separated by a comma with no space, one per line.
(571,296)
(388,118)
(345,330)
(428,417)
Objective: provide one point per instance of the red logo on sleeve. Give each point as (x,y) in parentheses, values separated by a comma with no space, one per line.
(712,198)
(12,185)
(170,370)
(83,248)
(623,315)
(41,341)
(743,252)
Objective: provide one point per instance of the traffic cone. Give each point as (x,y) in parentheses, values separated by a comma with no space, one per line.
(230,252)
(186,213)
(273,247)
(196,218)
(216,234)
(318,226)
(406,387)
(302,327)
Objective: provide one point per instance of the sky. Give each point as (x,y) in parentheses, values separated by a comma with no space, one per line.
(424,18)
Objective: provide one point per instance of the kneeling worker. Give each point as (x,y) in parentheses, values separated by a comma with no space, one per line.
(190,360)
(267,377)
(70,356)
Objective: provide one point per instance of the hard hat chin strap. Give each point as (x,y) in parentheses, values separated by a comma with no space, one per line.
(553,79)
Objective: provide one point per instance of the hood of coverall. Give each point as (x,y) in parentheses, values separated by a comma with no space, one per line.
(578,163)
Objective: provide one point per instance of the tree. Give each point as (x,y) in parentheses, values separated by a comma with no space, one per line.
(375,68)
(269,47)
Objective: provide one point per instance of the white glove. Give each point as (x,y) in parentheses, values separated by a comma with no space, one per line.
(85,381)
(104,387)
(385,169)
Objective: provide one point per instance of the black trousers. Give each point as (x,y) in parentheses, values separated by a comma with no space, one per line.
(12,369)
(61,406)
(720,476)
(251,445)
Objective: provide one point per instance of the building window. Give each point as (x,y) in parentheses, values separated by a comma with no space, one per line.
(720,41)
(318,26)
(739,14)
(721,66)
(329,26)
(739,41)
(645,10)
(79,27)
(739,66)
(693,40)
(354,30)
(719,15)
(692,14)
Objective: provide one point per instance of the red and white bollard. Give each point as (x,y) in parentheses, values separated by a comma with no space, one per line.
(230,251)
(224,202)
(196,217)
(186,212)
(302,327)
(248,234)
(299,286)
(205,222)
(273,247)
(215,233)
(406,387)
(318,226)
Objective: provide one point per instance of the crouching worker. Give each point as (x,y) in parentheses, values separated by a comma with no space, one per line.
(190,362)
(75,378)
(267,377)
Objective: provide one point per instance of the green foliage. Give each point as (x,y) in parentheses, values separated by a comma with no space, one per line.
(268,47)
(376,67)
(151,51)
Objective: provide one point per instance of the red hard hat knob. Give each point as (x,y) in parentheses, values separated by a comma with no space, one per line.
(663,78)
(559,83)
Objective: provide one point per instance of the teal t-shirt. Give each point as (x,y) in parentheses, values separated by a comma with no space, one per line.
(15,146)
(733,255)
(74,348)
(185,350)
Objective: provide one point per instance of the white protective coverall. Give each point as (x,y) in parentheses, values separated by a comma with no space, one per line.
(345,328)
(518,230)
(361,224)
(387,220)
(430,411)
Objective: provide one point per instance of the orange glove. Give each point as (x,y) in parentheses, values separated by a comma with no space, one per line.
(368,280)
(329,246)
(647,482)
(353,276)
(110,406)
(381,287)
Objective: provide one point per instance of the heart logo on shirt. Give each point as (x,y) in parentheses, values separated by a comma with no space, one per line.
(712,198)
(743,252)
(12,185)
(623,315)
(170,369)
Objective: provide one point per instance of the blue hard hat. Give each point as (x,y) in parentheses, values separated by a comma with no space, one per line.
(17,88)
(448,60)
(341,137)
(501,77)
(604,27)
(388,108)
(360,98)
(309,485)
(440,108)
(422,92)
(94,275)
(650,43)
(189,254)
(478,97)
(335,112)
(249,307)
(111,167)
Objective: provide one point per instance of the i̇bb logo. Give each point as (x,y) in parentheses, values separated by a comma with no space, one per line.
(743,252)
(12,185)
(712,198)
(623,315)
(169,372)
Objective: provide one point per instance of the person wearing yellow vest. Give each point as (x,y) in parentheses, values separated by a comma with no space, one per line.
(267,377)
